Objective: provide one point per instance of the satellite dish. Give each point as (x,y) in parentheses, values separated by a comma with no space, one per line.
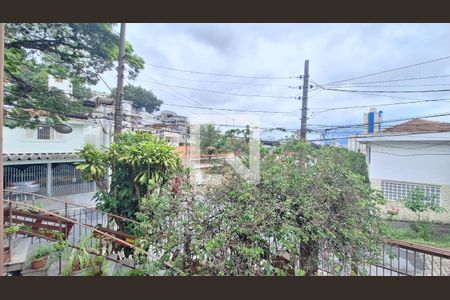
(62,128)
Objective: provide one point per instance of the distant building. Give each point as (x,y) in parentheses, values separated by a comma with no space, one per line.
(172,127)
(412,154)
(372,124)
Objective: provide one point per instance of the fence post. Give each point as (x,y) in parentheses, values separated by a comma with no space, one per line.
(10,224)
(49,179)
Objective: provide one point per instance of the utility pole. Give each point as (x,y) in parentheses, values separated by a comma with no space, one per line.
(304,101)
(2,36)
(120,76)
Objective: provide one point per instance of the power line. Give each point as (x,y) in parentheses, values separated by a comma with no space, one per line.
(389,70)
(183,95)
(237,110)
(382,104)
(224,82)
(365,137)
(101,78)
(393,80)
(382,122)
(220,74)
(409,91)
(413,148)
(391,85)
(221,92)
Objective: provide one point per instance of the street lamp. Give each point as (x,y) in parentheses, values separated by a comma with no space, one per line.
(62,128)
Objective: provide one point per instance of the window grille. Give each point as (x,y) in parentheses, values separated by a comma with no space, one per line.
(398,191)
(43,132)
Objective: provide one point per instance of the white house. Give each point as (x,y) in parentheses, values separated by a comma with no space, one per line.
(42,160)
(412,154)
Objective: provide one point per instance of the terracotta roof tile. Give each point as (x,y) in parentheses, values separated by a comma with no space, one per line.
(418,125)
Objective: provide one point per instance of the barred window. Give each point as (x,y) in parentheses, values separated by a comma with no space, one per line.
(43,132)
(398,191)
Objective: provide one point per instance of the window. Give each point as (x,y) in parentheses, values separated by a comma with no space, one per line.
(398,191)
(43,132)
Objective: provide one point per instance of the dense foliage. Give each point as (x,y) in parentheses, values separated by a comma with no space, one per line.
(65,50)
(308,200)
(142,164)
(140,98)
(232,141)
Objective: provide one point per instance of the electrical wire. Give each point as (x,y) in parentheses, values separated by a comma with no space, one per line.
(237,110)
(221,74)
(224,93)
(390,135)
(394,80)
(222,82)
(382,104)
(389,70)
(382,122)
(384,91)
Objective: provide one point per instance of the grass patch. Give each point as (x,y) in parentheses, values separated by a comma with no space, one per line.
(429,238)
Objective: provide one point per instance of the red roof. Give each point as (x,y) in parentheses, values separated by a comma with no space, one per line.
(418,125)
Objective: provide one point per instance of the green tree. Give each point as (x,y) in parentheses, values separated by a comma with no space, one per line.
(64,50)
(140,98)
(142,165)
(419,202)
(308,200)
(81,91)
(209,137)
(354,160)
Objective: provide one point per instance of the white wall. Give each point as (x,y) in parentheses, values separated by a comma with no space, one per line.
(21,140)
(422,165)
(63,85)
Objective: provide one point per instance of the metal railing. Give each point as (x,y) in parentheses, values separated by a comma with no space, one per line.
(397,258)
(54,216)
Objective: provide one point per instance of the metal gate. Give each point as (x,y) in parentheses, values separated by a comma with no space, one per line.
(32,179)
(64,178)
(68,180)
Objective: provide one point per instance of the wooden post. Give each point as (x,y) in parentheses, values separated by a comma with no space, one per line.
(304,111)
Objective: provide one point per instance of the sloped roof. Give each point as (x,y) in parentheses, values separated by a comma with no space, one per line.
(418,125)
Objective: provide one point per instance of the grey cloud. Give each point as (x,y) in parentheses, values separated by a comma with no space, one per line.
(336,52)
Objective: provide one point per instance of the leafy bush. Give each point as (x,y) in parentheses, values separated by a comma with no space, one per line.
(418,202)
(141,164)
(307,200)
(423,230)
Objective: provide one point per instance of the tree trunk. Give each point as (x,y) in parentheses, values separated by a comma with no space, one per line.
(309,257)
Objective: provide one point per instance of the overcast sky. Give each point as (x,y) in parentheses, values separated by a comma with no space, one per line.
(335,51)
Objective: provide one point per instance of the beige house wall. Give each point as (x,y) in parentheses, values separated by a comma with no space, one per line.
(406,215)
